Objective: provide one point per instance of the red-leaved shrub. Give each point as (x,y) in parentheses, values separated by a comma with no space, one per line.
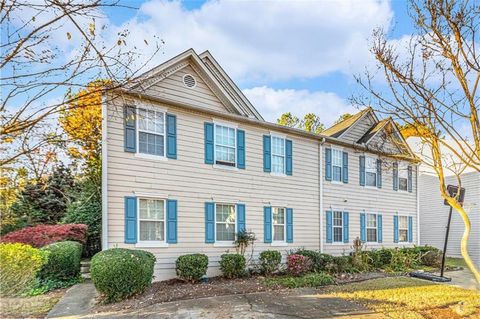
(42,235)
(298,265)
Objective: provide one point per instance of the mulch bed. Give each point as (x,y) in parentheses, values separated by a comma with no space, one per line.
(175,289)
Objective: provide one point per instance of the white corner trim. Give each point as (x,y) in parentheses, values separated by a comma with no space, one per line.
(418,205)
(104,174)
(320,176)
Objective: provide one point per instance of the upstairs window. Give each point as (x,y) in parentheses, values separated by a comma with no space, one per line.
(337,165)
(225,145)
(151,132)
(151,220)
(278,221)
(225,222)
(402,228)
(370,171)
(371,227)
(278,155)
(403,178)
(337,227)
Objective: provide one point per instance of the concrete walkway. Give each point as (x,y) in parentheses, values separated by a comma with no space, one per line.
(463,279)
(76,303)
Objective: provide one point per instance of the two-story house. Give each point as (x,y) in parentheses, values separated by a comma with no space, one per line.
(188,162)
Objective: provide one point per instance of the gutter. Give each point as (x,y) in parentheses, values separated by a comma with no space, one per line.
(320,182)
(418,205)
(104,173)
(268,125)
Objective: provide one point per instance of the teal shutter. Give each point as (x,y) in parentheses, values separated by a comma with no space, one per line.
(395,176)
(289,225)
(345,227)
(241,217)
(171,221)
(267,224)
(329,226)
(171,136)
(379,173)
(289,157)
(209,148)
(363,228)
(410,179)
(267,154)
(345,167)
(395,229)
(130,220)
(130,138)
(328,164)
(379,228)
(241,149)
(209,223)
(362,170)
(410,229)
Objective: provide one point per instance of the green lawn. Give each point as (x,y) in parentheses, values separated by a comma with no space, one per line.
(408,298)
(455,262)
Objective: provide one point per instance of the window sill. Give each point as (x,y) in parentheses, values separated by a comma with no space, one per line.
(225,167)
(224,244)
(371,187)
(151,157)
(278,174)
(337,182)
(279,244)
(151,245)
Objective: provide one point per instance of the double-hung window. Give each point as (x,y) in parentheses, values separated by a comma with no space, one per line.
(278,155)
(225,222)
(151,131)
(337,165)
(278,224)
(402,228)
(337,226)
(370,171)
(151,220)
(225,145)
(402,178)
(371,227)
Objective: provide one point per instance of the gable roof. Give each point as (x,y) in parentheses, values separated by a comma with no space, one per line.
(373,131)
(222,86)
(338,129)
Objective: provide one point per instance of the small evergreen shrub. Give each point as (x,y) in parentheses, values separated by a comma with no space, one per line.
(319,260)
(42,235)
(63,261)
(191,267)
(19,265)
(341,264)
(270,261)
(119,273)
(298,265)
(233,265)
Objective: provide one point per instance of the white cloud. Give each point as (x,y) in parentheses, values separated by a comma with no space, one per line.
(272,103)
(265,41)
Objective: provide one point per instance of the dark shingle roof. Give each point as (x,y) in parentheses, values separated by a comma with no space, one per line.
(337,129)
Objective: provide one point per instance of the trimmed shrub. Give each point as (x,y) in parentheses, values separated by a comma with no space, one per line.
(119,273)
(233,265)
(319,260)
(63,261)
(42,235)
(312,280)
(270,261)
(298,265)
(19,265)
(191,267)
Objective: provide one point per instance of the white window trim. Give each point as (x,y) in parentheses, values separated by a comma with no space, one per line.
(284,137)
(137,133)
(152,243)
(367,228)
(224,243)
(229,125)
(333,227)
(284,241)
(399,168)
(341,167)
(400,241)
(376,177)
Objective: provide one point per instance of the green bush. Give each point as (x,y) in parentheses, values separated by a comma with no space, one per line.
(119,273)
(191,267)
(270,261)
(233,265)
(63,261)
(319,260)
(380,258)
(341,264)
(312,280)
(19,265)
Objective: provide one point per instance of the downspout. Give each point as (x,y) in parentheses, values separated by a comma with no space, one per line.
(418,205)
(320,182)
(104,174)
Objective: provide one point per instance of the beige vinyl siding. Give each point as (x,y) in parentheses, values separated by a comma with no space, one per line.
(380,142)
(172,88)
(193,183)
(356,199)
(434,215)
(355,132)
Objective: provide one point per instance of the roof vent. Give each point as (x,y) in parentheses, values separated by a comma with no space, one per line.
(189,81)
